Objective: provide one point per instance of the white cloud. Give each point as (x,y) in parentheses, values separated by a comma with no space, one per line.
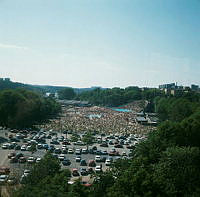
(12,46)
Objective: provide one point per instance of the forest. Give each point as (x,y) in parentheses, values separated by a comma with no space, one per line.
(20,108)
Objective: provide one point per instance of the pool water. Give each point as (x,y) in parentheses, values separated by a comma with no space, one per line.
(121,110)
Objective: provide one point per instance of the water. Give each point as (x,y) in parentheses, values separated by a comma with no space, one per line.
(121,110)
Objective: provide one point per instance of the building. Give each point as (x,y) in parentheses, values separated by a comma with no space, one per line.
(194,87)
(168,86)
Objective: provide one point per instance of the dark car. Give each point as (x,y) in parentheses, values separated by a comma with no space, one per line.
(66,162)
(104,152)
(90,171)
(83,172)
(75,172)
(103,159)
(22,160)
(83,163)
(104,145)
(118,146)
(91,151)
(98,152)
(57,151)
(14,160)
(94,148)
(18,155)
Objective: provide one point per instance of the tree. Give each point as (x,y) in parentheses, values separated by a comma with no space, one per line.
(66,93)
(88,139)
(178,172)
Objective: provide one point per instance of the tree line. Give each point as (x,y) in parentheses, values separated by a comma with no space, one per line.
(20,108)
(111,97)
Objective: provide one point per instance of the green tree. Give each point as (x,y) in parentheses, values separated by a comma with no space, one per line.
(67,93)
(88,139)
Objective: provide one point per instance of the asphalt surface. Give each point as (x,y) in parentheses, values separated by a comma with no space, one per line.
(18,168)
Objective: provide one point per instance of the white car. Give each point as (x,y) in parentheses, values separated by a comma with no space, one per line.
(26,172)
(78,151)
(23,148)
(3,178)
(31,160)
(70,151)
(98,169)
(98,158)
(64,147)
(5,146)
(38,160)
(108,162)
(61,157)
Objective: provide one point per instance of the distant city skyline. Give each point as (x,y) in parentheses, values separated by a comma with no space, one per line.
(107,43)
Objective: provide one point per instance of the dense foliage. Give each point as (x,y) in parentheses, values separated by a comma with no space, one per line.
(22,108)
(66,93)
(117,96)
(177,108)
(7,84)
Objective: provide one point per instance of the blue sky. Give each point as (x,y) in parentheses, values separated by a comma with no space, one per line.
(108,43)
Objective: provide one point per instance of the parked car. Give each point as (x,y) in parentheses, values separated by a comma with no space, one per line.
(98,158)
(90,171)
(104,145)
(39,146)
(83,172)
(31,160)
(78,158)
(84,151)
(13,159)
(57,151)
(78,151)
(23,148)
(3,179)
(103,159)
(12,154)
(83,163)
(98,169)
(38,160)
(92,163)
(108,162)
(5,146)
(104,152)
(118,146)
(4,170)
(70,151)
(75,172)
(98,152)
(66,162)
(17,147)
(61,157)
(22,160)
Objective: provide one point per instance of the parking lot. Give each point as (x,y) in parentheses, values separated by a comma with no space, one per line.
(104,151)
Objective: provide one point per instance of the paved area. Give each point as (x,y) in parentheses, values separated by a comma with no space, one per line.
(17,169)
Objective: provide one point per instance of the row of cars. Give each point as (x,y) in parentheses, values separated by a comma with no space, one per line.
(20,158)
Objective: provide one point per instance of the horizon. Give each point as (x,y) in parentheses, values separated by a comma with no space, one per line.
(115,43)
(188,85)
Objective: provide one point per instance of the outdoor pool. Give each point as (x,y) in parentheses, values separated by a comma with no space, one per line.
(121,110)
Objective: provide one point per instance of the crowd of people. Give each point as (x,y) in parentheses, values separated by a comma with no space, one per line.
(99,119)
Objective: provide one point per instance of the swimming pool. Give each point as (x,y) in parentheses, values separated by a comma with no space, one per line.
(121,110)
